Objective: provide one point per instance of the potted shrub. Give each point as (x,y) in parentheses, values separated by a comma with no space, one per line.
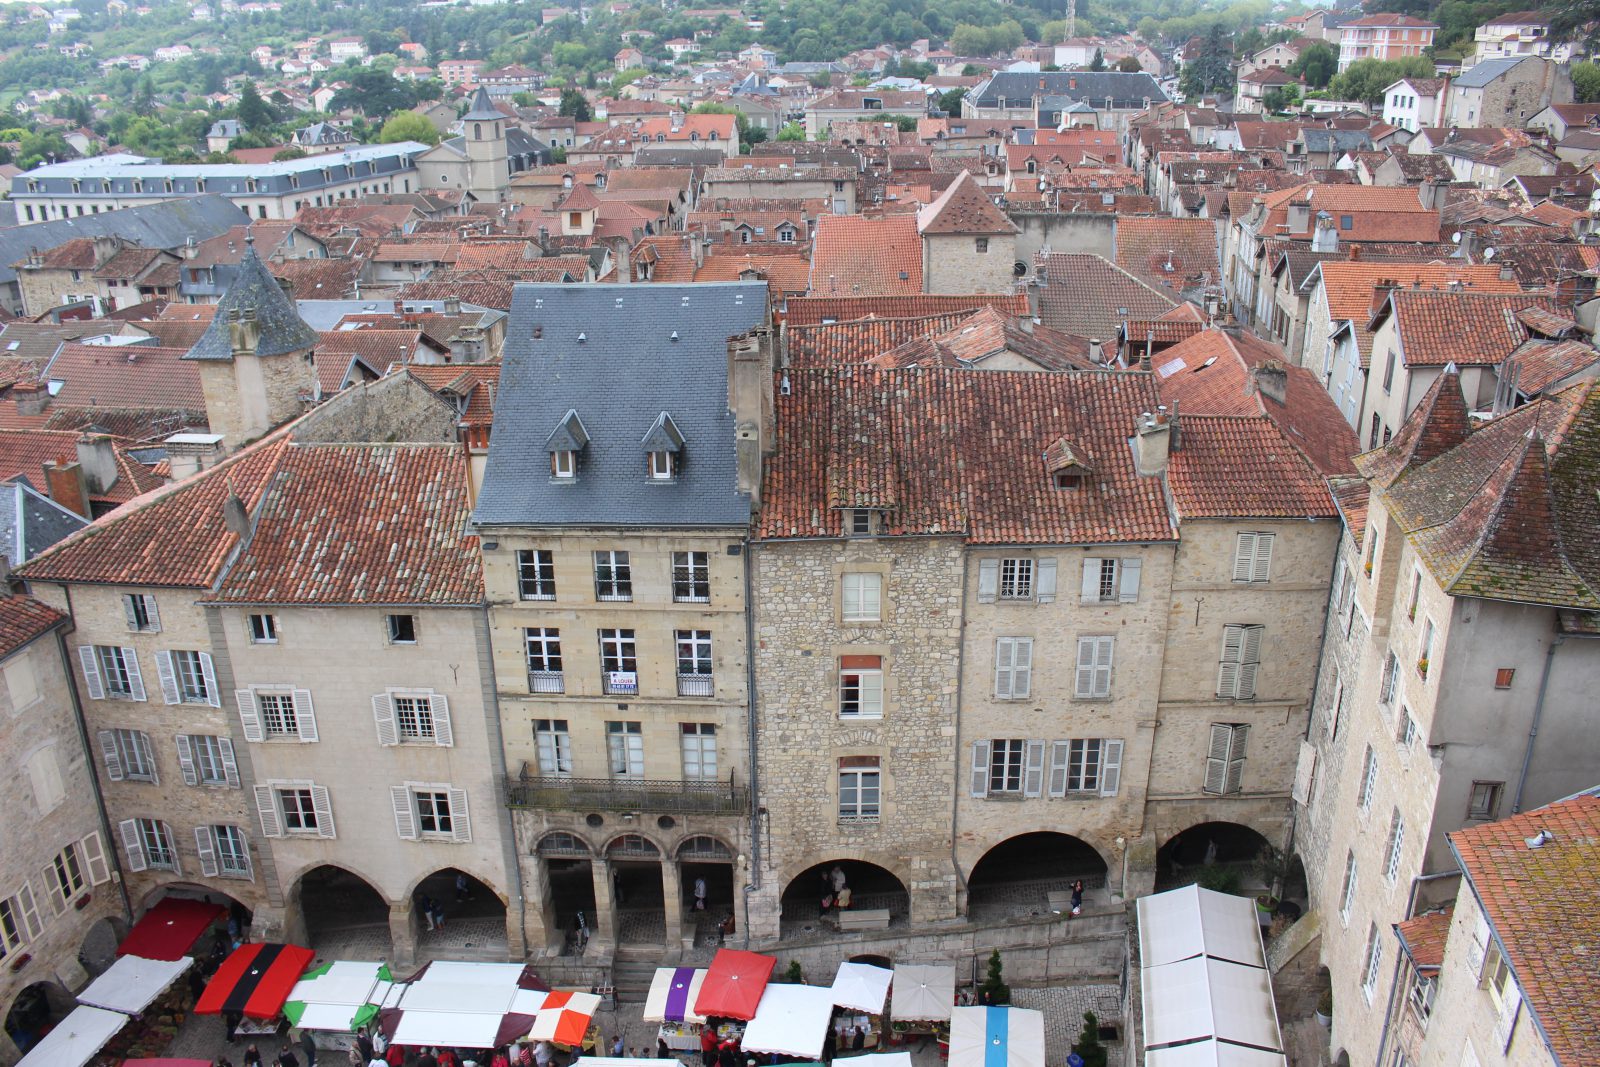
(1325,1008)
(1422,666)
(1088,1046)
(1272,868)
(794,975)
(994,989)
(1218,879)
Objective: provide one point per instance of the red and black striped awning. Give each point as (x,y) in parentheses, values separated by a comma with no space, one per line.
(255,980)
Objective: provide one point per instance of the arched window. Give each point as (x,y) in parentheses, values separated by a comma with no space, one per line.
(477,131)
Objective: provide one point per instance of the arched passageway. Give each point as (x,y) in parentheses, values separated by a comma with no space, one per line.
(871,888)
(1031,875)
(567,869)
(343,914)
(474,916)
(35,1012)
(1216,855)
(637,890)
(706,863)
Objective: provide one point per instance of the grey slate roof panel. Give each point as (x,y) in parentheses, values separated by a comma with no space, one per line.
(165,225)
(31,522)
(1092,87)
(282,330)
(619,379)
(1480,74)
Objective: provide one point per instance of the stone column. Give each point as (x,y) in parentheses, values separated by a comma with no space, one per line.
(603,923)
(403,933)
(672,901)
(1140,865)
(741,910)
(539,925)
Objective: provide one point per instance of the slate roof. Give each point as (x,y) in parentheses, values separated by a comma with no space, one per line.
(1543,905)
(1083,295)
(22,620)
(1464,328)
(1147,248)
(31,522)
(1243,466)
(255,289)
(1127,91)
(815,309)
(853,255)
(624,372)
(165,225)
(1485,71)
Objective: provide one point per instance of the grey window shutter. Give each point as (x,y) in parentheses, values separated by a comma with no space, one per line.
(94,858)
(148,751)
(1058,767)
(129,614)
(209,672)
(1217,757)
(980,769)
(304,717)
(91,672)
(54,890)
(442,734)
(1089,590)
(108,749)
(267,809)
(1021,666)
(152,614)
(249,715)
(405,820)
(1085,680)
(168,677)
(1128,591)
(988,580)
(1103,648)
(383,715)
(186,760)
(1236,741)
(132,844)
(1004,652)
(1228,671)
(322,804)
(244,854)
(172,847)
(1261,565)
(1244,555)
(1249,660)
(1033,769)
(130,659)
(32,925)
(1045,589)
(205,844)
(230,766)
(1110,767)
(460,819)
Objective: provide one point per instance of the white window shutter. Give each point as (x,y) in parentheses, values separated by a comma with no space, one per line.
(988,580)
(108,749)
(980,768)
(1217,757)
(172,847)
(322,804)
(267,809)
(132,844)
(1110,767)
(1261,567)
(1510,1008)
(148,750)
(1033,769)
(305,717)
(460,820)
(383,715)
(208,671)
(54,891)
(1235,778)
(186,760)
(244,854)
(206,845)
(1084,686)
(1045,580)
(32,925)
(91,672)
(1244,555)
(1477,951)
(1103,647)
(168,677)
(442,734)
(1004,652)
(1058,767)
(94,858)
(405,819)
(249,715)
(1128,575)
(1305,771)
(230,765)
(1089,591)
(1021,666)
(129,615)
(130,659)
(1228,672)
(1249,661)
(152,614)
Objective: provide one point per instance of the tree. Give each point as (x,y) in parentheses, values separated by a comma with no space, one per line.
(1281,98)
(1098,63)
(1316,65)
(1575,18)
(950,101)
(253,112)
(792,131)
(1212,69)
(1586,82)
(144,98)
(1366,79)
(1129,65)
(283,155)
(1088,1046)
(408,126)
(994,989)
(574,105)
(373,92)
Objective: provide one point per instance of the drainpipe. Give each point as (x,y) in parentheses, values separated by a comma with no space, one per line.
(750,716)
(1538,714)
(961,657)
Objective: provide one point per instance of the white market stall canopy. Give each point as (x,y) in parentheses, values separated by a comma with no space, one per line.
(1191,921)
(1213,1053)
(862,986)
(76,1039)
(672,995)
(339,996)
(132,984)
(882,1059)
(792,1020)
(1202,998)
(923,993)
(997,1037)
(463,1004)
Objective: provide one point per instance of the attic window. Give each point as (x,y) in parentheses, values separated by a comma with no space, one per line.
(1069,479)
(564,443)
(860,522)
(564,464)
(661,469)
(663,445)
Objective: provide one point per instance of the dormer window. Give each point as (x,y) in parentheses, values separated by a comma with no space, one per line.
(1068,479)
(663,445)
(860,522)
(564,443)
(564,464)
(661,466)
(1068,465)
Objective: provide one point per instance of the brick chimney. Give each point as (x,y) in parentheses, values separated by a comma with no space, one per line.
(31,398)
(64,485)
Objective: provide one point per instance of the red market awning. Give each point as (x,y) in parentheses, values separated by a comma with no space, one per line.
(170,929)
(733,985)
(255,980)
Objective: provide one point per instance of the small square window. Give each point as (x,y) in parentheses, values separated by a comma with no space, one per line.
(980,245)
(402,629)
(1346,222)
(263,629)
(661,466)
(1503,676)
(860,522)
(563,464)
(1484,802)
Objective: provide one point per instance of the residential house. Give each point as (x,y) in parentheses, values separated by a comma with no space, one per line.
(1386,36)
(968,243)
(1116,97)
(343,49)
(1507,92)
(1561,119)
(1252,88)
(1521,33)
(833,185)
(861,105)
(1414,103)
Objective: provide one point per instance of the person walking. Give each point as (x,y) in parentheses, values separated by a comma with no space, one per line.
(708,1044)
(1077,896)
(699,894)
(461,888)
(252,1056)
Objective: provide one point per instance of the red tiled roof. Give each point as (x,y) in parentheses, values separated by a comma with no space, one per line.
(1462,328)
(853,255)
(1350,284)
(126,376)
(1243,466)
(1083,294)
(1537,365)
(74,254)
(1424,938)
(1350,496)
(317,279)
(23,453)
(1172,253)
(963,208)
(858,340)
(22,619)
(477,381)
(811,310)
(986,333)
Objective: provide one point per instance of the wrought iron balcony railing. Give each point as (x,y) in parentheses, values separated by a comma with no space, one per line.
(557,793)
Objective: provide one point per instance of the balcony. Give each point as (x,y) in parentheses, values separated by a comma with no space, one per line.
(546,682)
(620,683)
(625,794)
(696,685)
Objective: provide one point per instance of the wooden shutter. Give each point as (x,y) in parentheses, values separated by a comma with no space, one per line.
(132,844)
(249,715)
(460,819)
(1128,580)
(130,660)
(54,889)
(988,580)
(1510,1008)
(1244,557)
(205,844)
(1305,771)
(244,854)
(171,842)
(1103,647)
(1059,753)
(148,751)
(168,677)
(980,769)
(1477,952)
(322,804)
(443,735)
(405,818)
(267,809)
(129,615)
(94,859)
(1237,736)
(191,776)
(1217,757)
(1005,650)
(1084,686)
(108,749)
(32,925)
(305,718)
(1033,769)
(1110,767)
(151,613)
(383,715)
(91,672)
(230,766)
(1089,590)
(208,671)
(1249,661)
(1044,588)
(1021,666)
(1261,565)
(1228,670)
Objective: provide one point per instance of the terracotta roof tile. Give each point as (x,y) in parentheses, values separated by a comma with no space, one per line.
(811,310)
(1085,294)
(23,619)
(1243,466)
(318,279)
(858,340)
(853,255)
(986,333)
(1174,254)
(963,208)
(1350,285)
(1468,329)
(1350,496)
(1537,365)
(126,376)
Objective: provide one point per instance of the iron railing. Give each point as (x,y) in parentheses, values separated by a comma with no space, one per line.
(546,682)
(554,792)
(696,685)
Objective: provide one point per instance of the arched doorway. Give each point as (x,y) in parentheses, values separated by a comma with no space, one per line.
(706,860)
(636,890)
(216,942)
(569,889)
(872,888)
(474,914)
(1017,877)
(1215,855)
(344,916)
(99,948)
(35,1012)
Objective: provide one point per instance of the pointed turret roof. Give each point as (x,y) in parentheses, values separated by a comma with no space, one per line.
(963,208)
(1439,423)
(280,329)
(481,108)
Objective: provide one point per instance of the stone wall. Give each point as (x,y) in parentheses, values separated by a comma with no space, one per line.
(953,264)
(1063,233)
(396,407)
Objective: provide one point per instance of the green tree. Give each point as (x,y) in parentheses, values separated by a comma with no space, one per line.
(627,77)
(1088,1045)
(1316,65)
(144,98)
(1129,65)
(792,131)
(1586,82)
(574,105)
(994,989)
(1366,79)
(283,155)
(1098,63)
(1575,18)
(373,92)
(1280,99)
(1212,69)
(254,112)
(950,101)
(44,147)
(408,126)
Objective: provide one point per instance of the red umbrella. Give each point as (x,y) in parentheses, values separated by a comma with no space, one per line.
(255,980)
(733,984)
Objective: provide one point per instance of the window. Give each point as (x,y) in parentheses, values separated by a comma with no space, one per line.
(1241,660)
(1013,667)
(1225,758)
(699,741)
(1416,594)
(1110,581)
(661,466)
(1369,983)
(19,920)
(278,717)
(1372,442)
(543,645)
(22,683)
(44,775)
(149,845)
(980,245)
(1345,222)
(1397,841)
(613,576)
(1006,765)
(128,755)
(619,665)
(1016,579)
(691,577)
(111,672)
(224,851)
(1085,766)
(554,745)
(1252,557)
(1484,800)
(694,663)
(263,629)
(402,629)
(564,464)
(1386,684)
(1094,667)
(863,597)
(1388,372)
(187,677)
(1423,991)
(1503,677)
(536,574)
(1406,733)
(1425,651)
(861,687)
(141,614)
(1347,894)
(625,745)
(858,522)
(860,788)
(294,808)
(1336,708)
(1369,781)
(206,759)
(413,717)
(433,813)
(64,876)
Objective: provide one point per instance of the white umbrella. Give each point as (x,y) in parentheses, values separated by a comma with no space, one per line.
(861,986)
(923,993)
(997,1037)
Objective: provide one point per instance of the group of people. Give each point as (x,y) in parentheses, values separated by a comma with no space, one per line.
(835,891)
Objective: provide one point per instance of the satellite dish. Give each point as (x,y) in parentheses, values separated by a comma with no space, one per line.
(1488,253)
(1455,238)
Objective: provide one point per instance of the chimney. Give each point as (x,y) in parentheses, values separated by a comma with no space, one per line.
(697,250)
(243,332)
(1152,443)
(64,485)
(1325,238)
(622,267)
(98,458)
(452,305)
(1299,218)
(31,399)
(1355,253)
(234,515)
(191,453)
(1097,352)
(750,370)
(1272,380)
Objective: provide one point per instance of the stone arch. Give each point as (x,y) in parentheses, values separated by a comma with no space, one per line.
(416,883)
(608,852)
(1107,855)
(328,902)
(895,865)
(1033,874)
(571,846)
(36,1008)
(873,886)
(1228,847)
(698,856)
(98,949)
(298,874)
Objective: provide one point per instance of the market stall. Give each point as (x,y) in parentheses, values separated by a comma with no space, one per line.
(337,999)
(670,1003)
(255,980)
(170,928)
(791,1020)
(133,983)
(468,1005)
(882,1059)
(565,1018)
(997,1036)
(863,987)
(1213,1053)
(76,1039)
(920,999)
(165,1062)
(733,984)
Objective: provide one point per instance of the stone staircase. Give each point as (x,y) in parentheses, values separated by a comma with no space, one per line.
(632,968)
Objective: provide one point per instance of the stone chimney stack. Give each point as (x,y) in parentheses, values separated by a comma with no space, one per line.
(750,370)
(97,456)
(31,399)
(1152,443)
(1272,380)
(1326,237)
(191,453)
